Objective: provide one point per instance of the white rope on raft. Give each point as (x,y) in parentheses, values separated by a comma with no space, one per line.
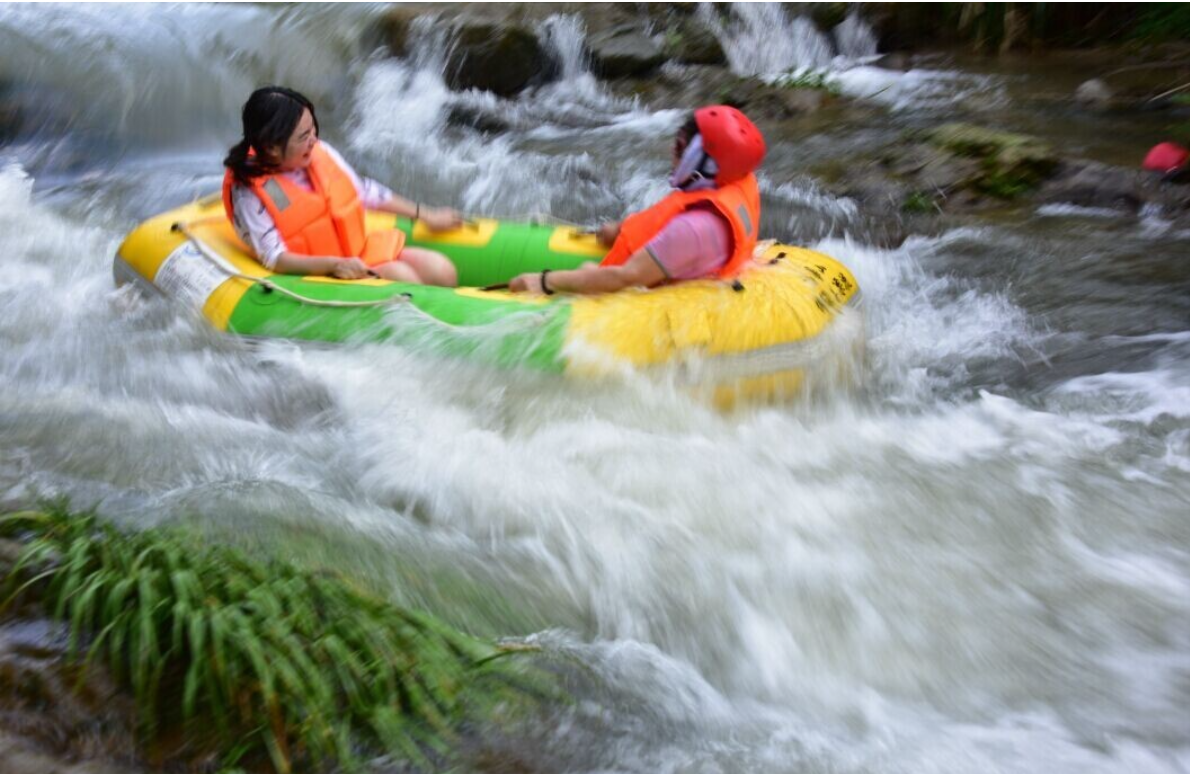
(533,219)
(218,262)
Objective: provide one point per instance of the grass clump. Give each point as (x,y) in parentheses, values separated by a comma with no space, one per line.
(809,79)
(919,203)
(256,659)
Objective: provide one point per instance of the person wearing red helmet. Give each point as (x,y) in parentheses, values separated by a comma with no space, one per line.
(707,227)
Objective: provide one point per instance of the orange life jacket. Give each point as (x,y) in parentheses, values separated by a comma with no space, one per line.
(739,202)
(326,221)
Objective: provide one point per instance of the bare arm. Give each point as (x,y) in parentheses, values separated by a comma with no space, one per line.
(321,265)
(638,271)
(437,218)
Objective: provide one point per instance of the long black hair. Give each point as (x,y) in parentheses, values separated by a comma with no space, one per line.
(270,117)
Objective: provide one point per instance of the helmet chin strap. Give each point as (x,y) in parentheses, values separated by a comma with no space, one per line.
(696,170)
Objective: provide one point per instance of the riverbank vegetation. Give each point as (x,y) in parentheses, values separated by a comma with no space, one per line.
(238,661)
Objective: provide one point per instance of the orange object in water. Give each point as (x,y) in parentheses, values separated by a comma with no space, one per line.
(326,221)
(1166,157)
(739,202)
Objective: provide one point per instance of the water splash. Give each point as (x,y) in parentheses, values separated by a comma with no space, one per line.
(762,39)
(854,39)
(170,75)
(564,37)
(943,572)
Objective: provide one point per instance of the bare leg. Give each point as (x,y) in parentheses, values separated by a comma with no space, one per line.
(432,267)
(398,271)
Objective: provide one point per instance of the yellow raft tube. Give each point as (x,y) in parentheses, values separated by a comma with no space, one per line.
(789,314)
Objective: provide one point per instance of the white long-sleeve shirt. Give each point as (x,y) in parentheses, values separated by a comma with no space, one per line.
(256,227)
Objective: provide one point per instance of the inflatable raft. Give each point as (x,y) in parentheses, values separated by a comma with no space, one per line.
(748,339)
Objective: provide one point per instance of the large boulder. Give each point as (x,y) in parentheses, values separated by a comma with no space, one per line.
(689,42)
(624,52)
(502,59)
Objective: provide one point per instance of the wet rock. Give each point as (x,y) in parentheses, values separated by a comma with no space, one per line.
(20,756)
(685,86)
(1094,93)
(761,100)
(828,15)
(393,30)
(54,709)
(954,168)
(1092,184)
(12,115)
(689,86)
(904,26)
(10,121)
(897,60)
(931,169)
(624,52)
(689,42)
(498,58)
(475,118)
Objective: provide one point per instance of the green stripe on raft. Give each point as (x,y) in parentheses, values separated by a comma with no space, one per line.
(507,333)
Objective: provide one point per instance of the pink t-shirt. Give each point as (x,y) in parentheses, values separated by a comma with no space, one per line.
(695,244)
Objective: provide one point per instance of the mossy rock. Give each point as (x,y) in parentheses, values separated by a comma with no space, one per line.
(1011,164)
(498,58)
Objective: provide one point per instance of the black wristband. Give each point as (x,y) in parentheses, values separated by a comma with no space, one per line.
(544,287)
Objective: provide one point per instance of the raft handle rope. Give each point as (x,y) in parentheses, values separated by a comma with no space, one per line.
(268,287)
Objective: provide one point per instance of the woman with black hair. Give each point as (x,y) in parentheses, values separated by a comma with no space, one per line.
(300,206)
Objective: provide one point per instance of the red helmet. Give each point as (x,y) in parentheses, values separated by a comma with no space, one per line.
(731,140)
(1165,157)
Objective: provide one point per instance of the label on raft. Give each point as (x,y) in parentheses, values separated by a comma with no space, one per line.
(186,275)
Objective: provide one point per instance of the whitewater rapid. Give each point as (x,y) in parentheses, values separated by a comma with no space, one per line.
(976,561)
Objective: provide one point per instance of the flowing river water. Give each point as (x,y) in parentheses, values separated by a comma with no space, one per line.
(977,561)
